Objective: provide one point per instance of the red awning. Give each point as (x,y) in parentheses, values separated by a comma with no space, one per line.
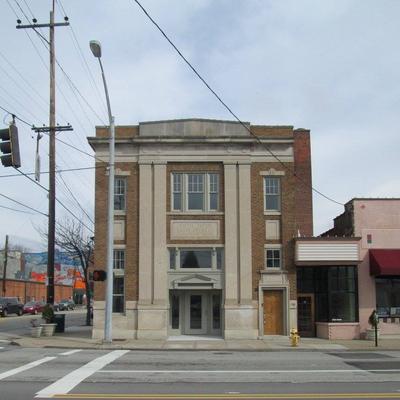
(384,261)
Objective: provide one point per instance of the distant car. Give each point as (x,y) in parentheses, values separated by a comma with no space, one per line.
(10,305)
(56,307)
(33,307)
(66,304)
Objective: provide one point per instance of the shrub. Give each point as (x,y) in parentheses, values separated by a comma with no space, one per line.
(48,313)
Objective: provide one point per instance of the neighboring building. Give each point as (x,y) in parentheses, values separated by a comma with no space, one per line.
(205,219)
(26,276)
(377,223)
(327,287)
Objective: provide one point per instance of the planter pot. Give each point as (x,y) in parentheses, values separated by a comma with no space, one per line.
(48,329)
(370,334)
(36,331)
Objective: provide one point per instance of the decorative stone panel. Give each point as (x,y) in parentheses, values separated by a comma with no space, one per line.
(195,229)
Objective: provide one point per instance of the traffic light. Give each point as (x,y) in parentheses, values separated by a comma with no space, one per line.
(99,275)
(10,147)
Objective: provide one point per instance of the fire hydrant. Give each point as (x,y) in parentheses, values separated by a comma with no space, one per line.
(294,337)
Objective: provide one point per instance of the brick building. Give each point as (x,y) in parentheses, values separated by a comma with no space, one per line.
(205,219)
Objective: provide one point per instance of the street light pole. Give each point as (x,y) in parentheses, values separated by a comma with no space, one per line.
(95,46)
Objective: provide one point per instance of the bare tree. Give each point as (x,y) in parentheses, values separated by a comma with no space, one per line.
(70,237)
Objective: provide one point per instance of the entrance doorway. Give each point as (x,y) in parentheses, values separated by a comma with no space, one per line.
(305,315)
(195,312)
(273,312)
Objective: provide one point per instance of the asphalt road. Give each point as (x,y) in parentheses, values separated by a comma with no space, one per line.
(16,325)
(121,374)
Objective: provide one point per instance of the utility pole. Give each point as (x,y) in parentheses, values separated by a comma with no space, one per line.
(5,266)
(51,129)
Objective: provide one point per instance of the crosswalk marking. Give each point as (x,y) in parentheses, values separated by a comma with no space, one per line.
(25,367)
(68,353)
(74,378)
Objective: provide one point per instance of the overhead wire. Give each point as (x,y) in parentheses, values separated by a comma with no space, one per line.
(14,209)
(60,170)
(75,199)
(57,200)
(22,204)
(257,138)
(82,56)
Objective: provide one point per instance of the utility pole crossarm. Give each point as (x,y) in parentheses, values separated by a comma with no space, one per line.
(42,25)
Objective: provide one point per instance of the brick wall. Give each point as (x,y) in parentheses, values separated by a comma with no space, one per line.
(26,290)
(131,218)
(303,192)
(287,222)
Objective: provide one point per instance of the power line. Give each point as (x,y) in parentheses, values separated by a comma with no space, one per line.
(14,209)
(82,56)
(22,204)
(58,139)
(18,118)
(228,108)
(73,196)
(57,200)
(60,170)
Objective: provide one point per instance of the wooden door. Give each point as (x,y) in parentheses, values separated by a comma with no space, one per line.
(305,315)
(273,312)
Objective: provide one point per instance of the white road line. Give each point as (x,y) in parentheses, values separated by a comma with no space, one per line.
(258,371)
(68,353)
(1,348)
(25,367)
(74,378)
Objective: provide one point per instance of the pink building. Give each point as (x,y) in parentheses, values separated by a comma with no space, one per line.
(377,223)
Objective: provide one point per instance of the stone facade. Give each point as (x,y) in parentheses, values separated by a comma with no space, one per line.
(161,300)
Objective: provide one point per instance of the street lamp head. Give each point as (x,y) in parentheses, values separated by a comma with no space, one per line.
(95,46)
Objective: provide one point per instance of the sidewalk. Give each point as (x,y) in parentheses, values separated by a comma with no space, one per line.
(80,337)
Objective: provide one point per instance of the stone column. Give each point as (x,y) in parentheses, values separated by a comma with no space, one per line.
(153,290)
(245,234)
(145,233)
(231,235)
(240,312)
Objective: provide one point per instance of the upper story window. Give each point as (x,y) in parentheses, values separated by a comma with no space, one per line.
(188,258)
(195,192)
(120,194)
(273,258)
(272,193)
(119,259)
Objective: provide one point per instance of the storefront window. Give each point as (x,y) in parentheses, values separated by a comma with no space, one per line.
(335,289)
(388,297)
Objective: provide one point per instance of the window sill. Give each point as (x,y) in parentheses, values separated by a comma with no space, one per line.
(119,212)
(273,271)
(271,212)
(195,213)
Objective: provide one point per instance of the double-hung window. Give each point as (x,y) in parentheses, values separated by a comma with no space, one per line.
(193,192)
(273,258)
(119,259)
(272,194)
(119,194)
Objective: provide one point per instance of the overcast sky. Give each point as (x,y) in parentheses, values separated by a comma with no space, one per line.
(330,66)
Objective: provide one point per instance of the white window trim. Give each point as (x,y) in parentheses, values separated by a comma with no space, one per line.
(267,211)
(123,178)
(195,247)
(184,192)
(273,247)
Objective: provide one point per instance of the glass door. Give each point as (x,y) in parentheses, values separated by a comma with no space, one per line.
(196,321)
